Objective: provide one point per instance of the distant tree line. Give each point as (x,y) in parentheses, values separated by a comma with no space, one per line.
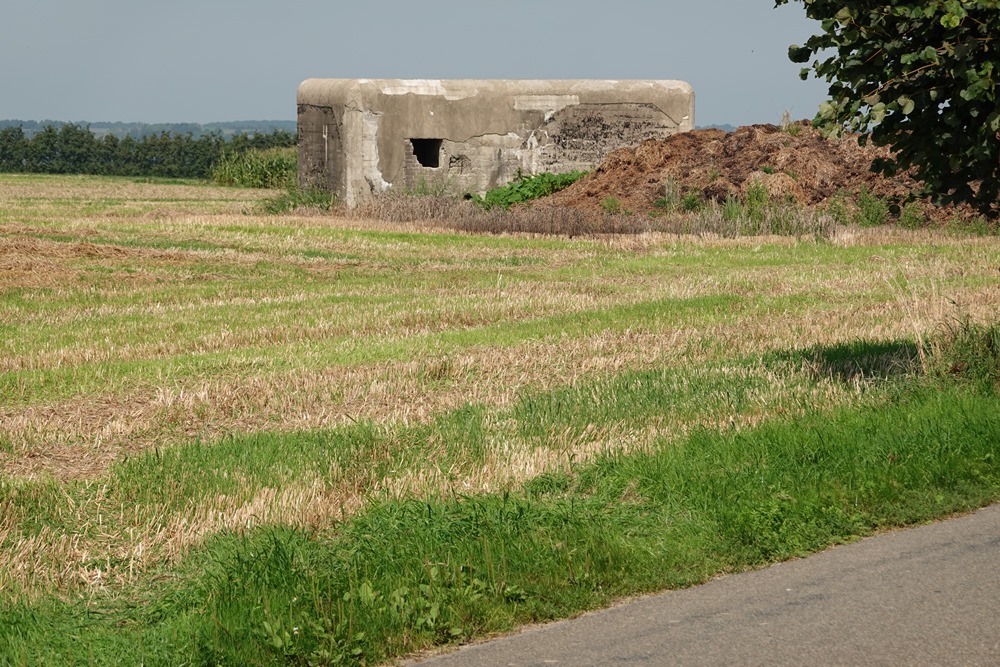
(139,130)
(73,149)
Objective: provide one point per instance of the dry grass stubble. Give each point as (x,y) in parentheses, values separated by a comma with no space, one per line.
(118,540)
(80,438)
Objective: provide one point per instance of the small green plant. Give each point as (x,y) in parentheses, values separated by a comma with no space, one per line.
(671,199)
(912,216)
(767,169)
(713,175)
(732,209)
(611,205)
(756,201)
(788,126)
(526,188)
(839,208)
(693,201)
(872,209)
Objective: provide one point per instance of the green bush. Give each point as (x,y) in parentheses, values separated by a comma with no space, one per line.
(839,209)
(526,188)
(872,209)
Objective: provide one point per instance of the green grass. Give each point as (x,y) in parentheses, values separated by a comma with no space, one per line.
(342,347)
(409,573)
(168,482)
(189,311)
(235,438)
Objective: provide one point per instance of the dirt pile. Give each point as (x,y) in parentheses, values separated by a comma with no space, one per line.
(792,163)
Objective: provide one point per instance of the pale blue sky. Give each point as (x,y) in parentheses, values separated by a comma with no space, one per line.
(219,60)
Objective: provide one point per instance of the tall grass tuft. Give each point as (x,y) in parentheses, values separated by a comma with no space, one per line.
(967,352)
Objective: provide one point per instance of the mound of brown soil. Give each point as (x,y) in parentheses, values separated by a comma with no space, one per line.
(796,163)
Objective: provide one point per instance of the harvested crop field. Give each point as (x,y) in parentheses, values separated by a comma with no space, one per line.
(178,371)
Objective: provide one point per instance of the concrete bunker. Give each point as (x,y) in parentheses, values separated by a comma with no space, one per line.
(360,137)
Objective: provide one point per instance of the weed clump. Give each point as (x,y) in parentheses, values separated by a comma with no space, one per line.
(671,199)
(790,127)
(526,188)
(757,202)
(611,205)
(912,216)
(693,201)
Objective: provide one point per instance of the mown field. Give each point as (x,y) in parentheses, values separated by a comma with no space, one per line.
(236,438)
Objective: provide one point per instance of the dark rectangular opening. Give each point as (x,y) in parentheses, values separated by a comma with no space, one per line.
(427,152)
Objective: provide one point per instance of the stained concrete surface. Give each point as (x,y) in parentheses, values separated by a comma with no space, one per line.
(362,137)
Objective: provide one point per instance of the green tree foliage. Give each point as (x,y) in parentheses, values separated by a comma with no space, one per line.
(919,77)
(13,147)
(72,149)
(120,130)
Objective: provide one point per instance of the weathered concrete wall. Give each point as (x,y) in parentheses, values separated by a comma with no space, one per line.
(363,136)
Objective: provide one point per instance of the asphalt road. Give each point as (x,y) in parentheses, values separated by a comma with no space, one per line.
(924,596)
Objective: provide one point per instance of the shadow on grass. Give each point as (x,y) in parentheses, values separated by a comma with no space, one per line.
(859,361)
